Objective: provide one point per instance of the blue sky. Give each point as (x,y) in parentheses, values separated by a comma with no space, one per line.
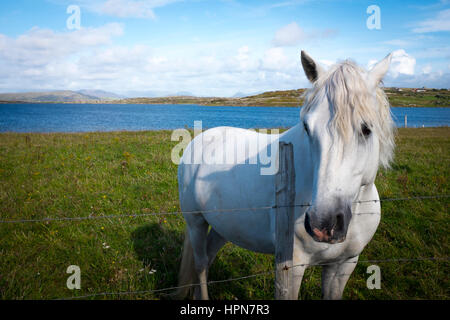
(214,48)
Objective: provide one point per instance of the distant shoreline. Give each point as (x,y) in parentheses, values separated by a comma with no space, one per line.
(204,105)
(398,97)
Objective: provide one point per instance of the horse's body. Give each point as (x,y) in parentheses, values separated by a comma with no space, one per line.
(334,175)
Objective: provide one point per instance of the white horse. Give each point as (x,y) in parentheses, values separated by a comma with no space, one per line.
(345,133)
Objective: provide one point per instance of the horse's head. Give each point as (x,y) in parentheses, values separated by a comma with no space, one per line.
(349,131)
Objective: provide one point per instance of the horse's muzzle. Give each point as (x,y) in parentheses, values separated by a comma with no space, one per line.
(332,229)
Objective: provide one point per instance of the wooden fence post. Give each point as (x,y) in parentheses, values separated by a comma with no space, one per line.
(284,221)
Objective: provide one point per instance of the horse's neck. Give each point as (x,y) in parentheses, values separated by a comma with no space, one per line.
(302,165)
(294,135)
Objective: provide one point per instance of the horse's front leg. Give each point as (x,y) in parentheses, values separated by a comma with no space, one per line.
(335,277)
(298,270)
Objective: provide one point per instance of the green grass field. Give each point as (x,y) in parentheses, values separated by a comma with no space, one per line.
(77,175)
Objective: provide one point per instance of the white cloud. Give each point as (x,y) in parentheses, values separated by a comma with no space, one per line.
(132,8)
(402,73)
(127,9)
(398,42)
(292,35)
(243,61)
(39,46)
(427,69)
(87,58)
(434,53)
(402,66)
(327,63)
(274,59)
(122,8)
(440,23)
(430,80)
(39,56)
(48,60)
(401,63)
(243,57)
(289,35)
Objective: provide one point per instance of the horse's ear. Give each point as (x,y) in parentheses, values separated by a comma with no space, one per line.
(377,73)
(311,68)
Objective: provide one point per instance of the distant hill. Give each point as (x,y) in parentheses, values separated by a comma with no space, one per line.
(242,94)
(287,98)
(157,94)
(398,97)
(61,96)
(105,95)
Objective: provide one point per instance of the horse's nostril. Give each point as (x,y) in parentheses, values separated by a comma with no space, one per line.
(339,226)
(308,224)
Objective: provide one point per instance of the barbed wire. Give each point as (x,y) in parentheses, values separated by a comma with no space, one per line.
(135,215)
(405,198)
(211,211)
(212,282)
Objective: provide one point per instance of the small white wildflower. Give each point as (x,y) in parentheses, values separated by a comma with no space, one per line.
(105,246)
(152,271)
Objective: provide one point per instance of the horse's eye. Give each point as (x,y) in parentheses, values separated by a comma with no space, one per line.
(306,128)
(365,130)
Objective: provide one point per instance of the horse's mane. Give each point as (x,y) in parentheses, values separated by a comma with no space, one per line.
(353,104)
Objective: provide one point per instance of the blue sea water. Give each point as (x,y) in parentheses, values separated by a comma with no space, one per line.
(112,117)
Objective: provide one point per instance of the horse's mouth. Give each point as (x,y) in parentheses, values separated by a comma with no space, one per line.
(324,235)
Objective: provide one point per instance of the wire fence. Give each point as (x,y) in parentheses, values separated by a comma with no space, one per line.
(264,273)
(255,209)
